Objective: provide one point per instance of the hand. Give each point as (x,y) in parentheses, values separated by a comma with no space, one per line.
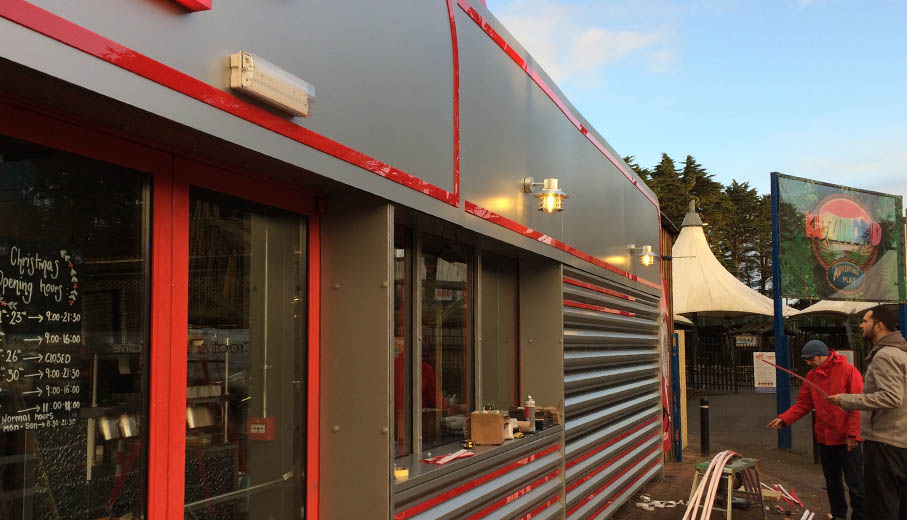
(833,398)
(852,443)
(776,424)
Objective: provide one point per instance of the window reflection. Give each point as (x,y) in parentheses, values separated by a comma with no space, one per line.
(446,376)
(402,346)
(246,358)
(73,336)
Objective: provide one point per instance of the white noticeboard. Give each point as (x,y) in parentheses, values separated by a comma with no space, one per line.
(847,354)
(764,375)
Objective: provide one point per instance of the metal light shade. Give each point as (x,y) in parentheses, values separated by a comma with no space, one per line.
(551,198)
(647,257)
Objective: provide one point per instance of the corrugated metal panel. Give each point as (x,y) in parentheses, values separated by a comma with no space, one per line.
(612,393)
(510,481)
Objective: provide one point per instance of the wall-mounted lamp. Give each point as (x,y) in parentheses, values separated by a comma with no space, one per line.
(267,82)
(551,197)
(646,256)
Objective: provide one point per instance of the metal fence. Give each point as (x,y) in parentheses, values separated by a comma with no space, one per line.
(715,361)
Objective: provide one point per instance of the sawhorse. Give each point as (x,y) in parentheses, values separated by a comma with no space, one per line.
(748,471)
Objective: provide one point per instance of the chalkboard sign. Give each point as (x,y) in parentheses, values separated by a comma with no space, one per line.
(41,366)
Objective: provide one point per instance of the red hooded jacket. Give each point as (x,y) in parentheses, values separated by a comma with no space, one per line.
(833,425)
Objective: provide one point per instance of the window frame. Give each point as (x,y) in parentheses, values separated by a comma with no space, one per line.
(172,173)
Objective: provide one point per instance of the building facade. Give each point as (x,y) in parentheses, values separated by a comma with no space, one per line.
(211,308)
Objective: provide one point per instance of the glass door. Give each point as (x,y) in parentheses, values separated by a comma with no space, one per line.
(246,355)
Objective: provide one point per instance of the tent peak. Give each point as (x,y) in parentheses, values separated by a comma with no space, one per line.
(691,218)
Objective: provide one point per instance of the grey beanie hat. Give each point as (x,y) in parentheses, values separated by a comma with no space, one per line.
(812,348)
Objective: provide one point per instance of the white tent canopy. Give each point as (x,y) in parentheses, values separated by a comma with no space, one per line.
(838,307)
(702,284)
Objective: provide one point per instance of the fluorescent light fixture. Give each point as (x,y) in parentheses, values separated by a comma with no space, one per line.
(265,81)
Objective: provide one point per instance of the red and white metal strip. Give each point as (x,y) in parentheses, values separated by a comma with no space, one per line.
(598,288)
(608,463)
(455,58)
(459,490)
(623,490)
(514,496)
(604,486)
(542,84)
(535,512)
(505,222)
(611,442)
(80,38)
(597,308)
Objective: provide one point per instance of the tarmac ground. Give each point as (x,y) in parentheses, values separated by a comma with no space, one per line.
(737,422)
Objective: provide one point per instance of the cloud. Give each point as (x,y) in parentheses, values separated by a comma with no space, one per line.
(572,44)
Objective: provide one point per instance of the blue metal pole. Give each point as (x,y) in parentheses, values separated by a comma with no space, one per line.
(782,350)
(676,422)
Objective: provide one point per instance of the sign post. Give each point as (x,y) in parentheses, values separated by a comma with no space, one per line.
(782,352)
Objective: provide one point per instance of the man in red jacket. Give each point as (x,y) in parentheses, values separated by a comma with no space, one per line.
(837,431)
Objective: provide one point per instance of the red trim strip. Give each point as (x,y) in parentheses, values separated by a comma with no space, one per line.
(596,288)
(521,63)
(513,496)
(553,242)
(77,37)
(604,486)
(624,435)
(444,497)
(313,433)
(601,467)
(456,99)
(539,509)
(179,332)
(596,308)
(195,5)
(624,490)
(159,415)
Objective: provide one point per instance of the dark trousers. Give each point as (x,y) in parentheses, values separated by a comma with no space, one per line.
(836,460)
(886,481)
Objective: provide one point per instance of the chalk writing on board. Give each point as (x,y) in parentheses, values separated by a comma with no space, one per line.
(41,363)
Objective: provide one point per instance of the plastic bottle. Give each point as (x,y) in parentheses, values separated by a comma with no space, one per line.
(530,413)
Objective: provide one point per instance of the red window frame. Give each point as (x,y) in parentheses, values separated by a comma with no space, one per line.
(172,176)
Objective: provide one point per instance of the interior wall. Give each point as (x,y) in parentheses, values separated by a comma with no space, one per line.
(356,340)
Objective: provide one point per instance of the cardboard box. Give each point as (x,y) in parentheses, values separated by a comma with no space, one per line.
(552,413)
(487,427)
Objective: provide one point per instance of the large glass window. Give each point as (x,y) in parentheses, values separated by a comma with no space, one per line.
(245,434)
(73,336)
(446,375)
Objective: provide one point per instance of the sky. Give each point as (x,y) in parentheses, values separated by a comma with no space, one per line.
(812,88)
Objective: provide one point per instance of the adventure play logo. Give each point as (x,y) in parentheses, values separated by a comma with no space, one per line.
(845,240)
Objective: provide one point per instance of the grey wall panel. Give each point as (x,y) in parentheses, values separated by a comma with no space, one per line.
(534,482)
(384,79)
(356,339)
(382,71)
(612,393)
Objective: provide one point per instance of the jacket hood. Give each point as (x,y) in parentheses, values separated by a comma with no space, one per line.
(833,360)
(895,339)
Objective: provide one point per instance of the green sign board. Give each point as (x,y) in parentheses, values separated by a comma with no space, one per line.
(840,243)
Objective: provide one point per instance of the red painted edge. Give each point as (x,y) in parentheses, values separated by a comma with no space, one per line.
(456,99)
(159,415)
(532,73)
(313,435)
(601,467)
(624,490)
(80,38)
(535,512)
(597,288)
(604,486)
(179,308)
(195,5)
(444,497)
(505,222)
(601,447)
(578,305)
(513,496)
